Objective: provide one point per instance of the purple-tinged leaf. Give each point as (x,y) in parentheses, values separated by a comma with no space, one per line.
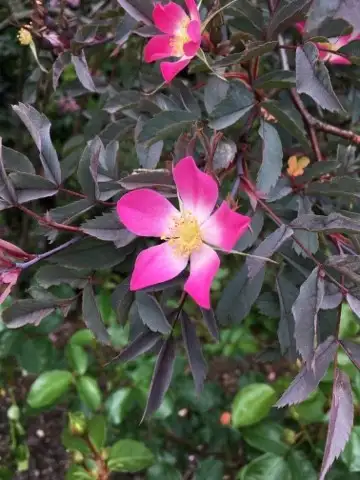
(353,351)
(151,313)
(7,191)
(39,128)
(121,300)
(211,323)
(193,349)
(32,187)
(16,161)
(333,223)
(287,14)
(287,295)
(310,375)
(305,311)
(332,297)
(224,154)
(354,304)
(161,377)
(27,312)
(272,156)
(348,265)
(62,61)
(160,180)
(108,227)
(91,158)
(92,317)
(322,10)
(239,296)
(267,248)
(144,342)
(252,233)
(140,10)
(340,422)
(50,275)
(148,156)
(312,78)
(82,71)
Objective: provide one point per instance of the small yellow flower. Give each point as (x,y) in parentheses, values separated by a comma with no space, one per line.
(296,166)
(24,37)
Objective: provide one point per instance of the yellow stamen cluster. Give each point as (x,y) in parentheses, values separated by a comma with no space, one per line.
(178,41)
(296,165)
(24,37)
(185,235)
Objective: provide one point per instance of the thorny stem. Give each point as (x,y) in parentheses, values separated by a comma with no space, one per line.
(49,223)
(42,256)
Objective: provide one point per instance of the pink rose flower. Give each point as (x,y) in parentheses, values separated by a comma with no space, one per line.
(334,44)
(181,39)
(189,234)
(9,272)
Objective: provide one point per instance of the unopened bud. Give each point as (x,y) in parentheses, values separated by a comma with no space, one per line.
(77,423)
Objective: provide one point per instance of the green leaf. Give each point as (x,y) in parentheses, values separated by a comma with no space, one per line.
(92,317)
(266,467)
(48,388)
(83,337)
(165,124)
(266,437)
(151,313)
(237,102)
(294,126)
(209,469)
(252,404)
(312,78)
(97,431)
(122,100)
(117,405)
(78,358)
(275,79)
(89,392)
(74,443)
(35,354)
(300,466)
(76,472)
(271,164)
(351,454)
(129,456)
(148,156)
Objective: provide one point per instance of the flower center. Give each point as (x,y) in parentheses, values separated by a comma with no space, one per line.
(329,46)
(178,41)
(185,235)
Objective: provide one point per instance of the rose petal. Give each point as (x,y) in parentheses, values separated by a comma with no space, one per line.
(224,228)
(193,10)
(156,265)
(194,31)
(169,18)
(190,49)
(157,48)
(204,263)
(146,213)
(197,190)
(169,70)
